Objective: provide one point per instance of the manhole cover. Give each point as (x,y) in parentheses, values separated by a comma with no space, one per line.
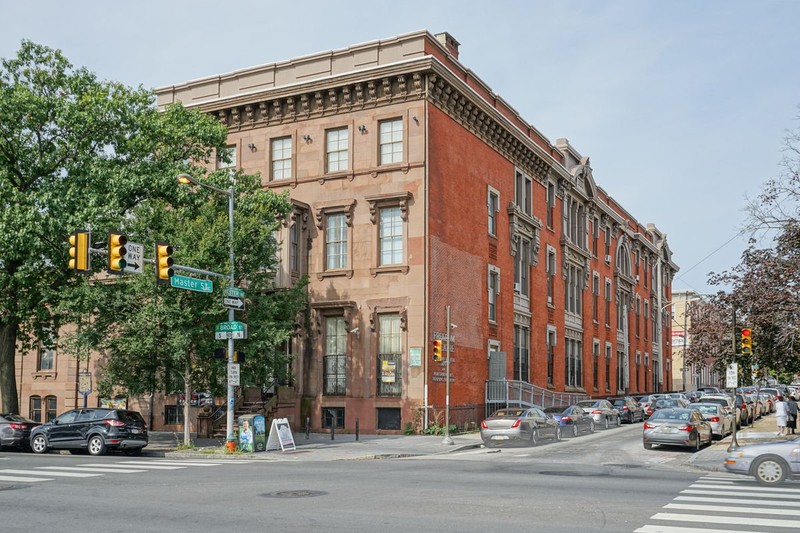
(294,494)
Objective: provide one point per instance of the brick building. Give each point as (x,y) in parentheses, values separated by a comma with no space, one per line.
(415,188)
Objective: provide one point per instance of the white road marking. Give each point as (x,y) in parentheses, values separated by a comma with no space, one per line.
(751,521)
(93,469)
(673,529)
(731,509)
(57,474)
(24,479)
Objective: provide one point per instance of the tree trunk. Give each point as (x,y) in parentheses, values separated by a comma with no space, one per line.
(8,376)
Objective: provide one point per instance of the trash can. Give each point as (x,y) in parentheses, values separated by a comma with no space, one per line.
(252,433)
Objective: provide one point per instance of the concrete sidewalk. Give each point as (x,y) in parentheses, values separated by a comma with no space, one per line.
(318,447)
(712,458)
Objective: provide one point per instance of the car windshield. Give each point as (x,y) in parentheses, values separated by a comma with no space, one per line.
(705,409)
(554,410)
(671,414)
(588,403)
(507,412)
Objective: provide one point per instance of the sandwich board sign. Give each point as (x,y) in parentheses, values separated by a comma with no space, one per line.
(280,435)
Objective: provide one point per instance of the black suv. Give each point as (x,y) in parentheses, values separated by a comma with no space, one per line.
(94,430)
(630,410)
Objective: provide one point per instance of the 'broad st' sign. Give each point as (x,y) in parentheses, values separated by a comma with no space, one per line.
(230,330)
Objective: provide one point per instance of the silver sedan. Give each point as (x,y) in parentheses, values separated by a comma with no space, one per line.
(769,462)
(516,424)
(721,421)
(603,413)
(676,427)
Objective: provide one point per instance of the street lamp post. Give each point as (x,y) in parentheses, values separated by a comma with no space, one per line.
(447,439)
(187,179)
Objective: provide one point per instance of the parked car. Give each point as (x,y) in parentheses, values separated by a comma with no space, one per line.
(669,402)
(573,419)
(747,409)
(95,430)
(647,401)
(602,411)
(630,410)
(769,462)
(519,425)
(677,427)
(707,389)
(15,431)
(721,420)
(727,403)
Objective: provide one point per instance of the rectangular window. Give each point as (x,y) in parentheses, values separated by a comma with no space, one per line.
(389,355)
(173,414)
(493,284)
(493,205)
(226,158)
(523,192)
(391,141)
(551,204)
(51,408)
(282,158)
(336,242)
(337,146)
(646,318)
(391,236)
(294,248)
(620,371)
(595,235)
(333,417)
(551,274)
(522,267)
(36,409)
(608,367)
(573,363)
(595,297)
(595,363)
(608,242)
(521,353)
(608,303)
(46,359)
(551,355)
(335,376)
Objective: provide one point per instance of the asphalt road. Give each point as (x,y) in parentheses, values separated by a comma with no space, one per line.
(601,482)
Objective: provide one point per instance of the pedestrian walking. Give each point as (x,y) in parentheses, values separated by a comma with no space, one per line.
(781,415)
(791,413)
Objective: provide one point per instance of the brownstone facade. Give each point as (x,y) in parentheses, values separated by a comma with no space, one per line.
(416,188)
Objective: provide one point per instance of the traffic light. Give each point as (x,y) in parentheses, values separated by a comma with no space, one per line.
(79,258)
(220,354)
(164,263)
(238,357)
(116,253)
(747,341)
(437,351)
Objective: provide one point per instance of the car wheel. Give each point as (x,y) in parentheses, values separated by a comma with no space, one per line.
(619,421)
(647,445)
(96,446)
(591,426)
(769,470)
(39,444)
(574,430)
(605,423)
(132,451)
(697,442)
(558,433)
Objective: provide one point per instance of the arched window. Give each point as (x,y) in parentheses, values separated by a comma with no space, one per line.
(624,260)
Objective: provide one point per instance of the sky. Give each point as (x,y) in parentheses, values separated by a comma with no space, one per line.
(682,106)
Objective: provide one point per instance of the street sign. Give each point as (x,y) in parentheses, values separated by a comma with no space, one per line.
(230,330)
(191,284)
(732,376)
(233,292)
(233,303)
(233,374)
(134,257)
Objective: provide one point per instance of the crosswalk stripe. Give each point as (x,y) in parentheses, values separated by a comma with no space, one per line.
(730,509)
(57,474)
(734,500)
(136,465)
(734,487)
(749,494)
(751,521)
(172,463)
(649,528)
(93,469)
(24,479)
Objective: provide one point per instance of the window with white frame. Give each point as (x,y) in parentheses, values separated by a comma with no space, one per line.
(522,267)
(551,204)
(335,365)
(551,274)
(595,235)
(573,370)
(390,350)
(281,158)
(575,219)
(573,290)
(646,318)
(226,158)
(294,248)
(608,366)
(523,192)
(391,236)
(337,147)
(595,296)
(336,241)
(521,353)
(551,354)
(595,363)
(391,141)
(608,302)
(493,286)
(493,206)
(620,370)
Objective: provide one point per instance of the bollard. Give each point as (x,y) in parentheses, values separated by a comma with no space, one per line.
(308,427)
(356,428)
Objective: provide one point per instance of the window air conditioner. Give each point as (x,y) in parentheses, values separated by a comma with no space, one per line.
(608,258)
(550,300)
(517,288)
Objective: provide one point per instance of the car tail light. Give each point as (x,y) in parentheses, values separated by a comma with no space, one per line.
(648,425)
(685,427)
(625,408)
(516,423)
(714,419)
(566,419)
(115,423)
(597,412)
(483,425)
(17,426)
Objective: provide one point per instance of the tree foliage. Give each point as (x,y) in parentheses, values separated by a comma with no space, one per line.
(764,288)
